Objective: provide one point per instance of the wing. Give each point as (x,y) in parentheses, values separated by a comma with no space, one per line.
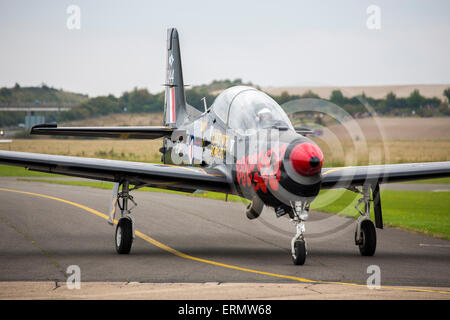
(172,177)
(356,176)
(105,132)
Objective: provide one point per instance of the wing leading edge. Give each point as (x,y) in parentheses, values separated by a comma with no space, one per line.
(344,177)
(172,177)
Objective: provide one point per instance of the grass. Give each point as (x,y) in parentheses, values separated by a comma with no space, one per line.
(109,186)
(9,171)
(347,153)
(432,181)
(132,150)
(424,212)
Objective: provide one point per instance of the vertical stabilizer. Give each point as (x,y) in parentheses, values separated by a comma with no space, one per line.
(175,101)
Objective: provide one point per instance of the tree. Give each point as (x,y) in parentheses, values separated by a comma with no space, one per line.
(447,94)
(284,97)
(390,102)
(5,92)
(415,100)
(309,94)
(337,97)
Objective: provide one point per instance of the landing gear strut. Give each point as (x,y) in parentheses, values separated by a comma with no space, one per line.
(298,244)
(365,234)
(125,227)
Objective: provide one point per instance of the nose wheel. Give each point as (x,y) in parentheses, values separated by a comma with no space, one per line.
(299,252)
(298,243)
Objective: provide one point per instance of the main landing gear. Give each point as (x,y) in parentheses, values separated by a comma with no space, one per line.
(365,234)
(125,227)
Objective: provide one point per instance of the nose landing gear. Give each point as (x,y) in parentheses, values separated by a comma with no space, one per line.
(298,244)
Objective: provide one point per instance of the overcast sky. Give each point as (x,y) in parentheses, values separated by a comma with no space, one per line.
(121,44)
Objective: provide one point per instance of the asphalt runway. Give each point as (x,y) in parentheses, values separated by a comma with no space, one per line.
(199,240)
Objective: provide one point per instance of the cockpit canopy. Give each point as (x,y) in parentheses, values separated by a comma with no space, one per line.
(244,108)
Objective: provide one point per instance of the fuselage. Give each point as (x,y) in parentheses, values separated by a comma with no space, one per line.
(248,136)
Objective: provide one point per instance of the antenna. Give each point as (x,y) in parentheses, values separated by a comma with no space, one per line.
(204,103)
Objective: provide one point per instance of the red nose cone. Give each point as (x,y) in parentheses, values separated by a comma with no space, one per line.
(306,158)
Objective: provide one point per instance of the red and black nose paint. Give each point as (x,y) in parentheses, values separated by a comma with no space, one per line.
(261,170)
(306,159)
(265,172)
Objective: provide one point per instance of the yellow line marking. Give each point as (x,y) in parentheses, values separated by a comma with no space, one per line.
(186,256)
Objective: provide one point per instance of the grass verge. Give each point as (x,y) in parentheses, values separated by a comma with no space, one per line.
(10,171)
(109,186)
(425,212)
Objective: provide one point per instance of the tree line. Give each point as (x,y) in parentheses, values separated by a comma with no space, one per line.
(142,101)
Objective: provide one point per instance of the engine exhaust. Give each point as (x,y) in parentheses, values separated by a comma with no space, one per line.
(255,208)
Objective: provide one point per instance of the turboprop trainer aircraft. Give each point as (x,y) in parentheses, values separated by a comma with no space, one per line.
(244,144)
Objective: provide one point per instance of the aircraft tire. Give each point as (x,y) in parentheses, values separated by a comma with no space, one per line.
(300,253)
(124,236)
(368,239)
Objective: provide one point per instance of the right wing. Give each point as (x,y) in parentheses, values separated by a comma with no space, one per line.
(104,132)
(183,178)
(344,177)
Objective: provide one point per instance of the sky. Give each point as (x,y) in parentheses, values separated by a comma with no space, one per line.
(121,44)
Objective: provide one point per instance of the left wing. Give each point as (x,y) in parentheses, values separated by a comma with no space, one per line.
(344,177)
(183,178)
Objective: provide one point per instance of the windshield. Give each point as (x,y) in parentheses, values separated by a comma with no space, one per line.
(253,109)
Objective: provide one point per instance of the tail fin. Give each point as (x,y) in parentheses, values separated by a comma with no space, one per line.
(175,101)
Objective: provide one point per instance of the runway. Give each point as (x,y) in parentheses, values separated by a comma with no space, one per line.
(197,241)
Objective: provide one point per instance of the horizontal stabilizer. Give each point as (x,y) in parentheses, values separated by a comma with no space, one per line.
(304,131)
(150,132)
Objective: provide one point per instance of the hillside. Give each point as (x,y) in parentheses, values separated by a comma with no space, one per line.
(376,92)
(43,94)
(18,95)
